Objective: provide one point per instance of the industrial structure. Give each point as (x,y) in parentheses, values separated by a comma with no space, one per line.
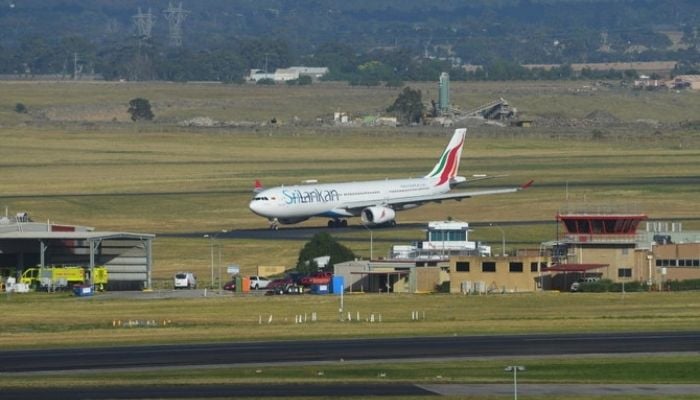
(25,244)
(447,114)
(444,91)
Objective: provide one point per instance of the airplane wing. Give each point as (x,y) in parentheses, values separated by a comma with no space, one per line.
(410,202)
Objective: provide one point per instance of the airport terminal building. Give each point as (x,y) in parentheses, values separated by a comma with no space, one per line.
(593,245)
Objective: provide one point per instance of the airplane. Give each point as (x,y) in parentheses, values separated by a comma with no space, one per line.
(375,202)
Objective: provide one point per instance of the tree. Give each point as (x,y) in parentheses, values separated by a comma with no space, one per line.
(408,107)
(322,244)
(20,108)
(140,109)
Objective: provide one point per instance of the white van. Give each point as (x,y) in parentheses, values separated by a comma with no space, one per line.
(185,280)
(589,279)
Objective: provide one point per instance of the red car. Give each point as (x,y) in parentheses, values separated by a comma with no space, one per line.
(282,286)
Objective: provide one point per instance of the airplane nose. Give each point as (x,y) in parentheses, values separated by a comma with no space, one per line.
(256,206)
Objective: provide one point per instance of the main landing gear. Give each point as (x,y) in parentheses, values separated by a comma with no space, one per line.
(338,223)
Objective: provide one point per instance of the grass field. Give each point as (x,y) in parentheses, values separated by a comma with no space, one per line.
(50,320)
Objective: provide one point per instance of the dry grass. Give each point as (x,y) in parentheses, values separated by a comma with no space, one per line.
(63,320)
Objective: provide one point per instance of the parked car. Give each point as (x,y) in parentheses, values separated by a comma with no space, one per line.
(319,278)
(258,282)
(283,286)
(185,280)
(576,285)
(230,285)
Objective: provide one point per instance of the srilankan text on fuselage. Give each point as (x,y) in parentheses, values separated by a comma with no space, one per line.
(297,196)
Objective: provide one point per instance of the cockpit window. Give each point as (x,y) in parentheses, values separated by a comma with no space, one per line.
(260,198)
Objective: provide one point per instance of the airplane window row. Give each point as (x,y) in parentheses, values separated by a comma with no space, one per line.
(404,190)
(360,193)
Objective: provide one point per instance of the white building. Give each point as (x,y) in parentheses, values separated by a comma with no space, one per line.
(313,72)
(287,74)
(443,238)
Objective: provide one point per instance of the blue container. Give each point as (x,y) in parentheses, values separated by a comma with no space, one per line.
(337,284)
(319,289)
(82,290)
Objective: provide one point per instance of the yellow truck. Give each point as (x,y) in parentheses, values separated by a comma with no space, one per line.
(56,278)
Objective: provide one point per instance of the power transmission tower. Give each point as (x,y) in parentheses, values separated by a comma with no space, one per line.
(144,24)
(175,17)
(77,67)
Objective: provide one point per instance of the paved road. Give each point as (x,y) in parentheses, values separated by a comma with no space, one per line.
(284,352)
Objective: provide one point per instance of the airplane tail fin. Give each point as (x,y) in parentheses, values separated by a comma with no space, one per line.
(258,187)
(448,165)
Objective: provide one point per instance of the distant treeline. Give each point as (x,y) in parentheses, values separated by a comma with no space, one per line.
(363,42)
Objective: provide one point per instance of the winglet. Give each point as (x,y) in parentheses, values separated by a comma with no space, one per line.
(527,185)
(258,187)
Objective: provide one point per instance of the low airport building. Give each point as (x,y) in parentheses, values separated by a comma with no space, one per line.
(392,276)
(25,244)
(592,246)
(420,267)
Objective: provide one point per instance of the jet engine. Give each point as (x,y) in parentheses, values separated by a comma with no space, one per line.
(377,215)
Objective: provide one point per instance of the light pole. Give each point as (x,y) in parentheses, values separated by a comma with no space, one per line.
(514,369)
(211,247)
(371,243)
(650,281)
(503,239)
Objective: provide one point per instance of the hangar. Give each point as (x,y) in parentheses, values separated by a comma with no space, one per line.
(127,256)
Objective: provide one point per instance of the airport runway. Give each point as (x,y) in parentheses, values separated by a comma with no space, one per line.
(340,350)
(363,390)
(27,363)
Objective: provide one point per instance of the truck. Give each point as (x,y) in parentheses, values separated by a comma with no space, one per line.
(56,278)
(319,278)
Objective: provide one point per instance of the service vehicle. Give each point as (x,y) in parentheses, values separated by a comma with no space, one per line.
(258,282)
(63,277)
(319,278)
(185,280)
(577,285)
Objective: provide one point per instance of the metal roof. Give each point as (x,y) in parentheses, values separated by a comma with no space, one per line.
(73,235)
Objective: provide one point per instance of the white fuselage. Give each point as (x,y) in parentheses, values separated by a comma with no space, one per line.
(334,200)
